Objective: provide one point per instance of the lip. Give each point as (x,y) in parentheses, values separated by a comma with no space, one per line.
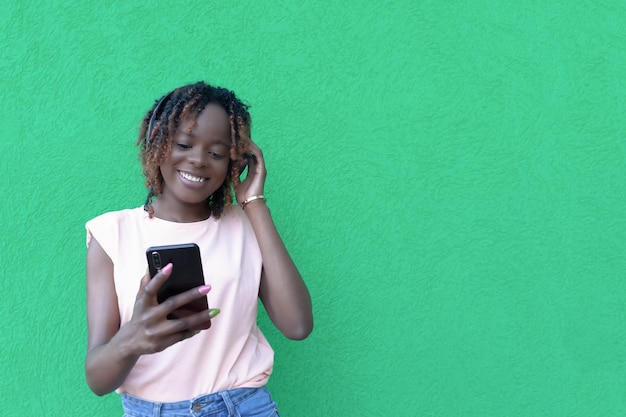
(190,183)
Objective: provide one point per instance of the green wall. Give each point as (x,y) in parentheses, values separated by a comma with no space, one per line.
(449,177)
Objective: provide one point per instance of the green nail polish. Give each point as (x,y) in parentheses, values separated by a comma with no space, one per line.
(197,331)
(214,312)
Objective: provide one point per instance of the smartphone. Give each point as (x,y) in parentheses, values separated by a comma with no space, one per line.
(186,274)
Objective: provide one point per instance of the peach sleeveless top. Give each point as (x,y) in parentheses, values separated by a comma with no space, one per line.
(233,353)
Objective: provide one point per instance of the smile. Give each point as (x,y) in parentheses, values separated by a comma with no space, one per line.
(190,177)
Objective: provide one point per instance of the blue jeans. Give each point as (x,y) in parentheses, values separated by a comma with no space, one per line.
(240,402)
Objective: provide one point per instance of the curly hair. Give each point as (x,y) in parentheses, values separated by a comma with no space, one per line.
(161,123)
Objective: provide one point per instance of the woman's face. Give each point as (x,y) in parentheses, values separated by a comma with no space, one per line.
(198,163)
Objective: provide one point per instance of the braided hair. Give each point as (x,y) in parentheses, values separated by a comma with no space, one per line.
(161,123)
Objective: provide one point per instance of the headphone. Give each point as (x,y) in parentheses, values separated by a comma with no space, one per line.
(155,113)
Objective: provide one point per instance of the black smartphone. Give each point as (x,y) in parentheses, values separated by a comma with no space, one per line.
(186,274)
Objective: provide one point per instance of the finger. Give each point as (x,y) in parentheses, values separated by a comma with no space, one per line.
(247,157)
(155,283)
(187,334)
(192,330)
(177,330)
(166,341)
(253,145)
(251,164)
(194,322)
(256,167)
(176,301)
(256,151)
(142,284)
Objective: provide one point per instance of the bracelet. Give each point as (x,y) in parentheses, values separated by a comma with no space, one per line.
(251,199)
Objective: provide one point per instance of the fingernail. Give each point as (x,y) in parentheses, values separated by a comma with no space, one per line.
(204,289)
(167,269)
(214,312)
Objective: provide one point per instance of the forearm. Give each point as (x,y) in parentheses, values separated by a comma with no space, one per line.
(108,365)
(283,292)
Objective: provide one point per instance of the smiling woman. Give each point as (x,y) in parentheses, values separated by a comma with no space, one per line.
(204,119)
(196,167)
(193,144)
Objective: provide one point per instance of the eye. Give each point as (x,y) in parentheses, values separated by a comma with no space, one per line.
(216,155)
(183,146)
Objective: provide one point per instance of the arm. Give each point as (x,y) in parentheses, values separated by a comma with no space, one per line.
(108,361)
(282,290)
(113,351)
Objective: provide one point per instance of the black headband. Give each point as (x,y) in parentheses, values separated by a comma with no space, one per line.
(157,108)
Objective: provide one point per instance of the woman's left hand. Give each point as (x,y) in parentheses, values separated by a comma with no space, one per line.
(282,290)
(254,184)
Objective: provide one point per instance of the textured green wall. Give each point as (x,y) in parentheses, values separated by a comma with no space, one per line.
(449,177)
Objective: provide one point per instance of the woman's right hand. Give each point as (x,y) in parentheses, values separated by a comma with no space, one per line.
(149,330)
(113,351)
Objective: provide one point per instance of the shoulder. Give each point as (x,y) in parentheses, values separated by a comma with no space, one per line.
(105,227)
(235,222)
(116,217)
(234,215)
(233,211)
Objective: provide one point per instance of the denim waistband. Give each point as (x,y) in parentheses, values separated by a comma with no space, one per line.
(198,406)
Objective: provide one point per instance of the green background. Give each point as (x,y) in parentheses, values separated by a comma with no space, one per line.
(448,176)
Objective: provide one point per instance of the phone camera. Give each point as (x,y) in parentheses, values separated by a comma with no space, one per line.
(156,258)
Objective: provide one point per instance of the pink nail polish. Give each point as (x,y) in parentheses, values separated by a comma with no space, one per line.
(167,269)
(204,289)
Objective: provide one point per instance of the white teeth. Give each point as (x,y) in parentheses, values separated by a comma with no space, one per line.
(191,177)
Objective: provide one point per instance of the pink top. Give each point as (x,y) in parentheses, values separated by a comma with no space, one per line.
(233,353)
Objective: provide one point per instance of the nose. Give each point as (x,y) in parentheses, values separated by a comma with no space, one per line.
(197,157)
